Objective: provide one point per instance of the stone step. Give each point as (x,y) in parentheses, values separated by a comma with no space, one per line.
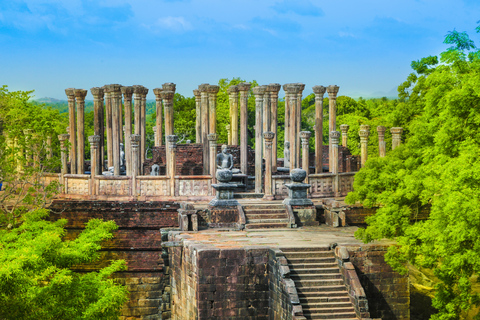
(266,206)
(265,211)
(309,254)
(266,216)
(307,271)
(322,292)
(317,283)
(301,261)
(266,225)
(304,249)
(303,266)
(336,316)
(315,276)
(247,195)
(269,221)
(325,305)
(350,310)
(342,297)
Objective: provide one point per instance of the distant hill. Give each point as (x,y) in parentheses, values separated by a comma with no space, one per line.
(62,105)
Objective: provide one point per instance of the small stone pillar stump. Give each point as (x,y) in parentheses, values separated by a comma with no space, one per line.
(212,141)
(94,164)
(382,147)
(396,136)
(229,134)
(244,88)
(364,132)
(335,139)
(297,190)
(319,91)
(305,136)
(172,159)
(135,144)
(344,129)
(268,139)
(224,195)
(63,155)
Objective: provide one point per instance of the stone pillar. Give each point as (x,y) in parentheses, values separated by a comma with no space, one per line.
(212,108)
(298,118)
(305,136)
(396,136)
(293,89)
(332,91)
(268,140)
(266,114)
(63,153)
(29,149)
(258,92)
(135,140)
(94,164)
(127,98)
(382,147)
(344,129)
(73,129)
(143,130)
(98,123)
(233,101)
(274,88)
(108,119)
(49,149)
(364,132)
(198,116)
(168,94)
(335,139)
(80,101)
(212,142)
(172,159)
(287,115)
(116,98)
(229,134)
(159,118)
(204,117)
(244,88)
(137,96)
(319,91)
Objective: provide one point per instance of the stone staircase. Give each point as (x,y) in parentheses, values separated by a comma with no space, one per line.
(319,284)
(264,216)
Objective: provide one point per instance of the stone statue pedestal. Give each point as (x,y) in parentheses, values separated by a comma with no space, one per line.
(297,191)
(224,196)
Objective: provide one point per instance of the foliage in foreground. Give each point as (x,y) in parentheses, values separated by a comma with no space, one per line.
(438,167)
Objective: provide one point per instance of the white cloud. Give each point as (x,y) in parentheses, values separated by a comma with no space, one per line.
(178,24)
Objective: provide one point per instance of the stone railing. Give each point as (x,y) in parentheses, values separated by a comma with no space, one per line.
(284,300)
(354,287)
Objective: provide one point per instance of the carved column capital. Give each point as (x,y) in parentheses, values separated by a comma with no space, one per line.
(63,137)
(70,92)
(127,91)
(80,94)
(212,137)
(232,90)
(169,86)
(168,95)
(292,88)
(158,94)
(213,89)
(197,94)
(172,141)
(274,88)
(268,136)
(97,93)
(258,91)
(332,91)
(396,130)
(305,136)
(344,128)
(94,141)
(244,87)
(319,90)
(364,132)
(203,87)
(138,90)
(335,137)
(135,140)
(381,131)
(301,87)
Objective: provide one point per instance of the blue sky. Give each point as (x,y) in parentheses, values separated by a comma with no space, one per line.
(365,47)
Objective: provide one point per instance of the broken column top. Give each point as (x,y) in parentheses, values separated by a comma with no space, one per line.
(213,88)
(335,137)
(332,91)
(381,130)
(203,87)
(232,89)
(319,90)
(80,93)
(158,92)
(274,87)
(244,86)
(97,92)
(258,90)
(70,92)
(196,93)
(344,127)
(169,86)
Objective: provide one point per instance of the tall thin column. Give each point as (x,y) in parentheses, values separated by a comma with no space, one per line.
(95,165)
(143,125)
(205,126)
(344,129)
(98,122)
(212,108)
(198,116)
(305,136)
(72,129)
(287,115)
(80,101)
(233,101)
(116,98)
(135,144)
(364,132)
(319,91)
(49,149)
(298,119)
(108,119)
(274,88)
(212,142)
(137,97)
(167,96)
(172,159)
(293,90)
(229,134)
(244,88)
(334,140)
(396,136)
(63,155)
(332,91)
(127,98)
(266,114)
(120,113)
(159,118)
(268,140)
(258,92)
(382,147)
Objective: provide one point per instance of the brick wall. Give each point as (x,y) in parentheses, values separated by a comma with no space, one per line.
(137,240)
